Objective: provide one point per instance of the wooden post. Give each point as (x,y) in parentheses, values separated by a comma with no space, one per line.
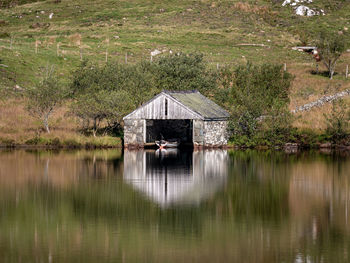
(285,67)
(347,71)
(317,68)
(81,53)
(36,46)
(126,58)
(107,41)
(217,66)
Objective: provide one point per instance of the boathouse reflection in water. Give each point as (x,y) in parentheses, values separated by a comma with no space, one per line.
(170,177)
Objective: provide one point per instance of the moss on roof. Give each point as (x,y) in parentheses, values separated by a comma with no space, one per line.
(199,104)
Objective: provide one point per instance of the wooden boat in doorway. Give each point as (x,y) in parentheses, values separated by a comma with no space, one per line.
(172,143)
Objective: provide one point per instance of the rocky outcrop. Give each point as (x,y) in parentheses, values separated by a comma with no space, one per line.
(301,9)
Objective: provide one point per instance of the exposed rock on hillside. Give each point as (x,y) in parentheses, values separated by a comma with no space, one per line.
(301,9)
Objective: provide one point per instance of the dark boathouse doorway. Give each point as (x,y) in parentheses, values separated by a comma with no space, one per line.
(169,129)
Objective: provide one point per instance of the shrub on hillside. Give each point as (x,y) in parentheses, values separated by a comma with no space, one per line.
(12,3)
(5,35)
(338,121)
(256,95)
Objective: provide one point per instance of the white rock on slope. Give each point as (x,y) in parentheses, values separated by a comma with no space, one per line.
(295,2)
(155,52)
(302,10)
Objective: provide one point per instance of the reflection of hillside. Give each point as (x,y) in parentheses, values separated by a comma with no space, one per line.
(271,207)
(17,168)
(319,194)
(176,177)
(316,227)
(257,188)
(319,204)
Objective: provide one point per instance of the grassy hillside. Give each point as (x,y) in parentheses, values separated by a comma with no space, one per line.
(30,40)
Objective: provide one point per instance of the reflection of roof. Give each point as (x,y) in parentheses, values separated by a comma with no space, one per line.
(199,104)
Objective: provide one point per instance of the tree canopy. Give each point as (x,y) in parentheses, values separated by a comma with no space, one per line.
(183,72)
(104,94)
(331,46)
(108,92)
(253,93)
(46,97)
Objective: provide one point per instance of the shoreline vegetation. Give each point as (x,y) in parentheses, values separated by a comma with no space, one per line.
(88,112)
(67,83)
(82,142)
(288,147)
(313,142)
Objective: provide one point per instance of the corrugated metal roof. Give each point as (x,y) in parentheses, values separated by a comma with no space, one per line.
(200,104)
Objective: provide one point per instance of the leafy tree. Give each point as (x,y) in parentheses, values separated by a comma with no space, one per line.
(138,81)
(104,94)
(134,79)
(183,72)
(253,91)
(45,98)
(87,75)
(331,47)
(338,121)
(100,105)
(278,123)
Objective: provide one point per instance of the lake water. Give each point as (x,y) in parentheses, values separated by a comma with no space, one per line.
(147,206)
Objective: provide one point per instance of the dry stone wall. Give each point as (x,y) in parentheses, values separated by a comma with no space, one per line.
(320,102)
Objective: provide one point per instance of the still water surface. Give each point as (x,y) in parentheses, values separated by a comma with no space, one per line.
(146,206)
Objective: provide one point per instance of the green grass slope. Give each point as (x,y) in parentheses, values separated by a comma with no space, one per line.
(30,40)
(136,27)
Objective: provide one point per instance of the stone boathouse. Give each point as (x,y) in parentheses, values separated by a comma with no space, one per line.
(185,115)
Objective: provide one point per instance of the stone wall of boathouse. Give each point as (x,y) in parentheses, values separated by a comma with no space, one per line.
(205,134)
(215,133)
(209,133)
(134,133)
